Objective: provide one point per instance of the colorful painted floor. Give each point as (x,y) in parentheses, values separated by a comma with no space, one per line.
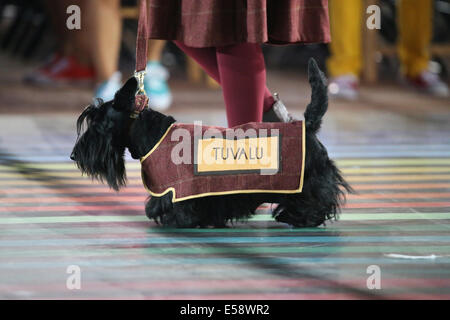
(392,146)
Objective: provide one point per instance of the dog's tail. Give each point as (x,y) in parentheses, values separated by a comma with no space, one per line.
(319,98)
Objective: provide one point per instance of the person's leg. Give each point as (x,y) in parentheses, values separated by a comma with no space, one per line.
(243,79)
(70,63)
(345,46)
(415,31)
(414,24)
(207,59)
(155,48)
(155,81)
(105,27)
(58,16)
(79,41)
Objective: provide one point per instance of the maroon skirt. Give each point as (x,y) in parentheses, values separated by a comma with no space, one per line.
(211,23)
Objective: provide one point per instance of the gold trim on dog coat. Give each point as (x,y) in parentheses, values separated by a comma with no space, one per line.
(196,161)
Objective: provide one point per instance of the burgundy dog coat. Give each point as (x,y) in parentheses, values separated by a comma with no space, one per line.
(195,161)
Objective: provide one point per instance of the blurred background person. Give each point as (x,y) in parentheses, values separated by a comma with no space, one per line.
(91,54)
(71,62)
(414,20)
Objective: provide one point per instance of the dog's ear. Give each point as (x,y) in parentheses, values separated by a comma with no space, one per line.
(96,155)
(124,98)
(115,173)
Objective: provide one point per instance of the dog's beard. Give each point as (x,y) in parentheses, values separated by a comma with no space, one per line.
(95,152)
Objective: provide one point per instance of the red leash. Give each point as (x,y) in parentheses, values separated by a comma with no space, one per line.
(141,57)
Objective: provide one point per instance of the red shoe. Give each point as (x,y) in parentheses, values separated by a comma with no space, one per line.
(35,75)
(62,70)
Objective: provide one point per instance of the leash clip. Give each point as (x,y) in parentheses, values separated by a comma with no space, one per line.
(139,75)
(141,98)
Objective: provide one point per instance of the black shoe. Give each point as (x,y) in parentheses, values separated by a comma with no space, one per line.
(278,112)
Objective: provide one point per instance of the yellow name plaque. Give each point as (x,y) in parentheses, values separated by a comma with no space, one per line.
(219,155)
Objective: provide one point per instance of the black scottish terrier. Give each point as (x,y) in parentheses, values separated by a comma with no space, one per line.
(99,152)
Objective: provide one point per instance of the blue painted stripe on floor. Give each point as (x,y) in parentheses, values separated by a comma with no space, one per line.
(161,261)
(186,240)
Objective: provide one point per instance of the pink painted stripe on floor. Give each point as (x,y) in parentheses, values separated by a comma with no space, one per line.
(112,198)
(261,296)
(401,186)
(397,205)
(248,284)
(124,197)
(298,296)
(71,208)
(87,189)
(90,188)
(229,296)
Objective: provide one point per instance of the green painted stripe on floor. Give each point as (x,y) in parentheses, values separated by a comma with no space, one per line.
(375,216)
(330,229)
(395,216)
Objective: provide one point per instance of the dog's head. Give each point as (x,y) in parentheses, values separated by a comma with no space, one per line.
(102,131)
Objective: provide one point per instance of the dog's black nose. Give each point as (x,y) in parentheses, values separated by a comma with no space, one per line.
(72,157)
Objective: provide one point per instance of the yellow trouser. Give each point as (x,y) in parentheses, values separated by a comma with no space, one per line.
(414,25)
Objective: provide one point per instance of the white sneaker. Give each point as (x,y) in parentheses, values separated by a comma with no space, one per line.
(430,83)
(156,87)
(108,88)
(345,87)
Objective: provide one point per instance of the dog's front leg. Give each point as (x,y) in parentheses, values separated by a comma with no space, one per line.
(165,212)
(157,208)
